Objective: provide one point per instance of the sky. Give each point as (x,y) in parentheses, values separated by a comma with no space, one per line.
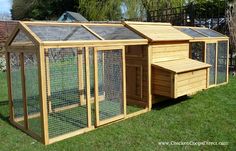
(5,6)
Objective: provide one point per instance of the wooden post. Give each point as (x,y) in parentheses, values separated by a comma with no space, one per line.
(227,66)
(11,107)
(89,117)
(149,51)
(96,99)
(42,90)
(48,81)
(80,75)
(216,63)
(124,80)
(26,124)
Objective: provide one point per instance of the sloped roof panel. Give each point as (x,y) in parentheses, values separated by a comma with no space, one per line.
(158,32)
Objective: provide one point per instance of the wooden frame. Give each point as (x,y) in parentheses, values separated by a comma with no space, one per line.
(99,122)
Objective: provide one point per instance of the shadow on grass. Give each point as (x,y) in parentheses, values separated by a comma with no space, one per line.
(2,116)
(2,103)
(170,102)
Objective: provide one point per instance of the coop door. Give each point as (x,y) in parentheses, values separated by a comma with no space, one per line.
(211,59)
(109,84)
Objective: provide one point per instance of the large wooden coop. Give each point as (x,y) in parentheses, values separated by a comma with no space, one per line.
(65,79)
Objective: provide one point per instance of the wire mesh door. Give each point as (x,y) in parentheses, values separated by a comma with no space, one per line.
(109,67)
(211,59)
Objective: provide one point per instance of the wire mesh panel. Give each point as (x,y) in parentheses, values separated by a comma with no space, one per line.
(191,32)
(32,92)
(222,62)
(197,51)
(67,109)
(16,84)
(21,37)
(111,70)
(209,32)
(62,33)
(211,59)
(114,32)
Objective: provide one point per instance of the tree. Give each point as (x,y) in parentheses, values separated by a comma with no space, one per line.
(40,9)
(100,9)
(231,22)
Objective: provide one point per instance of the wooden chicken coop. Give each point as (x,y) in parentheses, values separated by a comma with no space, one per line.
(65,79)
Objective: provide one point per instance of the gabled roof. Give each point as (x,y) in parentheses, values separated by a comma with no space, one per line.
(158,31)
(74,15)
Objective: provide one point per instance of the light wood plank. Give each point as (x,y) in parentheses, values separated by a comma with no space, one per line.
(88,101)
(42,90)
(96,88)
(22,64)
(9,84)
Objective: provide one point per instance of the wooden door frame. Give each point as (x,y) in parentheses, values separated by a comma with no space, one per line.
(99,122)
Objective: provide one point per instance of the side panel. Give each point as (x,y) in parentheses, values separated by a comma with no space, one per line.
(173,51)
(136,75)
(161,82)
(190,82)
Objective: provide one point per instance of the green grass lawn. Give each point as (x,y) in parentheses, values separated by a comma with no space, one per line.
(207,116)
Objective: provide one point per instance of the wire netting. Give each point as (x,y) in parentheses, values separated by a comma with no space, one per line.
(32,92)
(62,33)
(209,32)
(67,109)
(222,62)
(114,32)
(16,84)
(21,37)
(191,32)
(211,59)
(110,69)
(197,51)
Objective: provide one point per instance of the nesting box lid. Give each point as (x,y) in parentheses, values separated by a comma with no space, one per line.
(181,65)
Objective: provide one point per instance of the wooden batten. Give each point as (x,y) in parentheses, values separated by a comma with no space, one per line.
(92,43)
(92,32)
(80,75)
(42,90)
(11,107)
(26,123)
(48,80)
(149,49)
(88,101)
(96,93)
(227,70)
(124,80)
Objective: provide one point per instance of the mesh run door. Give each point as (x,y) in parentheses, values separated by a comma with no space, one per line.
(211,59)
(109,65)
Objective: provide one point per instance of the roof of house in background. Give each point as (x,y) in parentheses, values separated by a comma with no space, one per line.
(69,16)
(6,28)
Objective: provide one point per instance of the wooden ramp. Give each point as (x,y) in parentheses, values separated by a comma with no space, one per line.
(177,78)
